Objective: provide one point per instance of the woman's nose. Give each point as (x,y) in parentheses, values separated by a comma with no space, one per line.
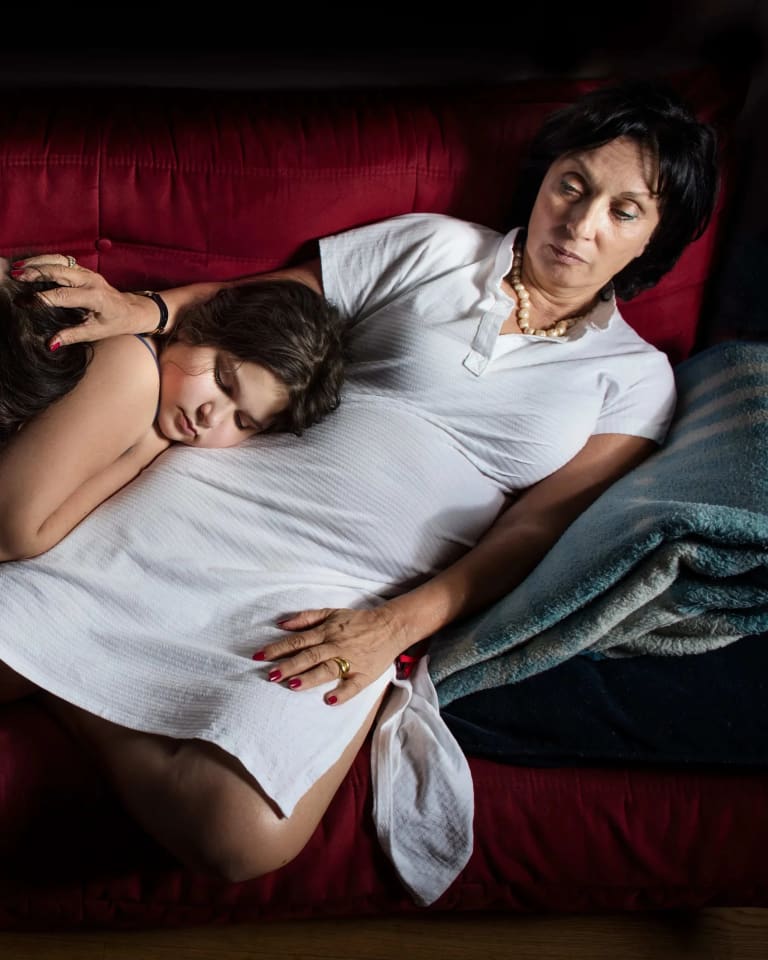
(583,221)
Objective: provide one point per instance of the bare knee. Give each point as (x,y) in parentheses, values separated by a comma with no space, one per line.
(259,849)
(239,835)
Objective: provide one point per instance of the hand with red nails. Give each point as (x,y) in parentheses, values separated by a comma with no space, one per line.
(369,639)
(110,311)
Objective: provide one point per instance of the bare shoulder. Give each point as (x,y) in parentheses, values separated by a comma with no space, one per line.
(121,385)
(126,348)
(127,361)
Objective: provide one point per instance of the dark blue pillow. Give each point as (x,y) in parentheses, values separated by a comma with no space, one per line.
(705,709)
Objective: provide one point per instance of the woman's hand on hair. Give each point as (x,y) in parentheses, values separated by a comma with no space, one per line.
(110,312)
(369,640)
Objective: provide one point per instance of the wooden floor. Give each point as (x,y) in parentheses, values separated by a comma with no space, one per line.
(733,934)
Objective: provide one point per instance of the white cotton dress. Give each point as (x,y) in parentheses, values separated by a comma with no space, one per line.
(149,612)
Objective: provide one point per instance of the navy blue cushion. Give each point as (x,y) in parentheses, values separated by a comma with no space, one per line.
(705,709)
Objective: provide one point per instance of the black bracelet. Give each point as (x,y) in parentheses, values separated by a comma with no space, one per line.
(161,306)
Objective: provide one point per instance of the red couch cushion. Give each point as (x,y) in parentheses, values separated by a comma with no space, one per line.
(576,840)
(162,187)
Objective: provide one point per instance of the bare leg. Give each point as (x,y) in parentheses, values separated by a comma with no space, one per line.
(199,802)
(13,686)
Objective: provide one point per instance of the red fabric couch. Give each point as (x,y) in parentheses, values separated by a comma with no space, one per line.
(155,188)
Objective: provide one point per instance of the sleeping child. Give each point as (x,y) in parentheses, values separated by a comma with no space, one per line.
(76,425)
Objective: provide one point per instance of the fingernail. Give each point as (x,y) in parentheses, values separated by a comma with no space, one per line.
(18,264)
(294,683)
(331,699)
(16,273)
(281,622)
(259,655)
(274,674)
(55,344)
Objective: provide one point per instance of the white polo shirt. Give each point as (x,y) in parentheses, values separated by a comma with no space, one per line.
(425,297)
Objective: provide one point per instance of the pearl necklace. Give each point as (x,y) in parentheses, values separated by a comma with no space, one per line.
(524,301)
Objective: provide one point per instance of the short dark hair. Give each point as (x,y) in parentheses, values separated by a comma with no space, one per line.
(660,122)
(32,377)
(285,326)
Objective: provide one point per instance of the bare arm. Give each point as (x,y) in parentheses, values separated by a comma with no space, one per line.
(78,452)
(113,312)
(519,538)
(506,554)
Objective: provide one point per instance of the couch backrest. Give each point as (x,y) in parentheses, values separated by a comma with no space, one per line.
(156,188)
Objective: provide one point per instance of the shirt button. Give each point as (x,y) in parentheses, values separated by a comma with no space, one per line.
(103,244)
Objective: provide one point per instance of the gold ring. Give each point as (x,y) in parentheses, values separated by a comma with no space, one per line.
(344,666)
(71,262)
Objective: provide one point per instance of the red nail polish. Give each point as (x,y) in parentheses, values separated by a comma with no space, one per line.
(258,656)
(294,683)
(55,346)
(18,264)
(281,622)
(331,699)
(274,674)
(16,273)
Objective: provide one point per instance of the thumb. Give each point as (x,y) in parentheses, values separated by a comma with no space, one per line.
(304,619)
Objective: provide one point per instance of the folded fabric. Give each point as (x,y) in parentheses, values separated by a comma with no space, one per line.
(671,560)
(431,844)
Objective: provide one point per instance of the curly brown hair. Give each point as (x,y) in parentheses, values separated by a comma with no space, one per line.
(285,326)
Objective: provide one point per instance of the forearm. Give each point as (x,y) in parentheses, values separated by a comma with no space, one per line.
(112,312)
(501,560)
(22,544)
(518,540)
(177,299)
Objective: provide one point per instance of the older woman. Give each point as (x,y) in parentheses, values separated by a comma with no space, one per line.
(493,392)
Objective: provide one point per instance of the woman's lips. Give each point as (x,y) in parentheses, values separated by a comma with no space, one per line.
(185,425)
(565,256)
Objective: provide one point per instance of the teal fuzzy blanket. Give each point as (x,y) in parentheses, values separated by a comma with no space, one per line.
(671,560)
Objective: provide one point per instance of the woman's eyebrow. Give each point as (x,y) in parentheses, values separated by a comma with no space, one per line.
(585,172)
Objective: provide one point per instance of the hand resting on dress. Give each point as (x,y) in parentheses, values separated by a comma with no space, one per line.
(369,639)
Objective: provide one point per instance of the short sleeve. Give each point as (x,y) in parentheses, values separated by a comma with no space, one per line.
(640,401)
(366,268)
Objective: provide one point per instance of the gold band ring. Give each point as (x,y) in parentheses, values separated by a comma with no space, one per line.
(344,667)
(71,262)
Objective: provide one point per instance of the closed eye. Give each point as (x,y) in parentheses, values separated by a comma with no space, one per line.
(243,426)
(229,389)
(218,379)
(569,189)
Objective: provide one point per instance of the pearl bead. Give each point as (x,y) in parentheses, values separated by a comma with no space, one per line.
(523,312)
